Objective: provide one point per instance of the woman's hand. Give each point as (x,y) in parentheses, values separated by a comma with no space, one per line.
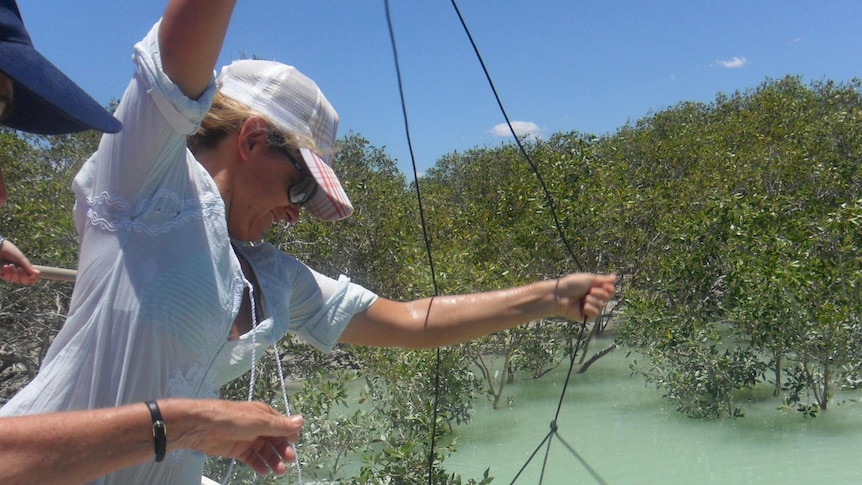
(15,267)
(582,296)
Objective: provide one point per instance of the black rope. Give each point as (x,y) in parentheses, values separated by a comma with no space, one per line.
(553,433)
(550,201)
(563,238)
(529,160)
(424,236)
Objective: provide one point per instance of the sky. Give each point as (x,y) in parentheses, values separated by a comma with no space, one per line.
(557,65)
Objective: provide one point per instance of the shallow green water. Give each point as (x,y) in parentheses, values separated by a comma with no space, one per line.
(628,434)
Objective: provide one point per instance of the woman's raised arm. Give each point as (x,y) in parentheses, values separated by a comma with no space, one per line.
(190,40)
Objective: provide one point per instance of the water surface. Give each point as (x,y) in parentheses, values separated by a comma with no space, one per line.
(628,434)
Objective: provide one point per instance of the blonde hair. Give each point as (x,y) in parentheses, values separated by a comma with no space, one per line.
(227,116)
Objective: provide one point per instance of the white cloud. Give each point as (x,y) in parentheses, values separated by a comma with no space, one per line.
(524,129)
(732,63)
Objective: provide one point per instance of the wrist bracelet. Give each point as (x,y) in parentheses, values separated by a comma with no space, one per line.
(160,430)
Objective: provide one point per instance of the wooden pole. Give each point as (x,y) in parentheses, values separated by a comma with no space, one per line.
(57,274)
(51,273)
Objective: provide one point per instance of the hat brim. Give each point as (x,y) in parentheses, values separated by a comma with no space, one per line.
(330,203)
(47,102)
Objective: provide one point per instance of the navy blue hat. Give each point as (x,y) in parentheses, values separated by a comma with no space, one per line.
(46,101)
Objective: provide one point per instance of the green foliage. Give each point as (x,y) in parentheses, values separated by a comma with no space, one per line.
(735,227)
(402,387)
(755,213)
(38,213)
(38,219)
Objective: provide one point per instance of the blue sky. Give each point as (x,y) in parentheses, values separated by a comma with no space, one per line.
(558,65)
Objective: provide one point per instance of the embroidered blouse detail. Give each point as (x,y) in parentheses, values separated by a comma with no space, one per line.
(113,213)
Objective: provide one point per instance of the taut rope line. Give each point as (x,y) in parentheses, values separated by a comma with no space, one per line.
(424,237)
(553,431)
(550,200)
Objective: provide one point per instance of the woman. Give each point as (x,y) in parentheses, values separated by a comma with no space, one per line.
(75,446)
(172,300)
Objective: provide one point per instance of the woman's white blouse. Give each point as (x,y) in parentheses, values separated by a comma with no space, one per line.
(159,284)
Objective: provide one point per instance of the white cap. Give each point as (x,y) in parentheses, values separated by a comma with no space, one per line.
(295,104)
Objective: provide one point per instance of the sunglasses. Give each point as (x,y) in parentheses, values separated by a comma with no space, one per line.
(301,192)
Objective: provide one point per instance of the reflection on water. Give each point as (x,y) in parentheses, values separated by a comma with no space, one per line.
(628,434)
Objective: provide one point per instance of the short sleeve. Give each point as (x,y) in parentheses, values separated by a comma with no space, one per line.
(321,322)
(302,301)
